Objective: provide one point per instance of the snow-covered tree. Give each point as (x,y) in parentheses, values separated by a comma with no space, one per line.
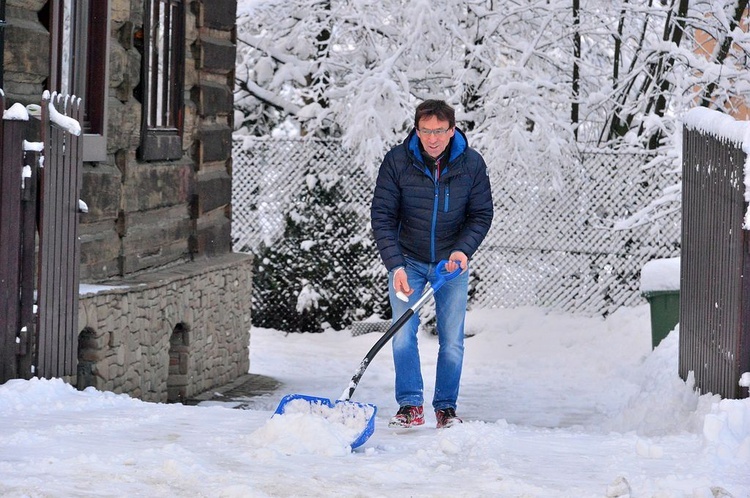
(381,57)
(533,81)
(305,280)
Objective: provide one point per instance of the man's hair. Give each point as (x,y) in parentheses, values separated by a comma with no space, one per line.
(437,108)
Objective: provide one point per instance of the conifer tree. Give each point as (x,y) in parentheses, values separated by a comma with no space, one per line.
(306,276)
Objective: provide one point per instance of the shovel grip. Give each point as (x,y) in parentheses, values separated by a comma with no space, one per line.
(444,275)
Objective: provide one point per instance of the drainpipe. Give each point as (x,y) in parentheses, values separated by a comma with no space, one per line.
(2,42)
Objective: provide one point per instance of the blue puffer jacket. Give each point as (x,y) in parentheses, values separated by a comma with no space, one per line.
(413,215)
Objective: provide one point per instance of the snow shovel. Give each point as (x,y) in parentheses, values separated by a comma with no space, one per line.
(359,418)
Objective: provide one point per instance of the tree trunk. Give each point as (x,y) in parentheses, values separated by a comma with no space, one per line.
(576,61)
(660,105)
(726,44)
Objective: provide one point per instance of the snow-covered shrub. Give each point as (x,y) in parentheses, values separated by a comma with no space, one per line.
(324,271)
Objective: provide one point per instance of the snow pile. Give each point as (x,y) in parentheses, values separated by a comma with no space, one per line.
(666,404)
(308,427)
(663,404)
(727,429)
(49,395)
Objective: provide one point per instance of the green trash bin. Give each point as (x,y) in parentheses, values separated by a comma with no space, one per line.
(665,313)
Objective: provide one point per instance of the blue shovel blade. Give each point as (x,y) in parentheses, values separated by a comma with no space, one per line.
(343,409)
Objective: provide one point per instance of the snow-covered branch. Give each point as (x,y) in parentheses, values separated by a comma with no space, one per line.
(357,70)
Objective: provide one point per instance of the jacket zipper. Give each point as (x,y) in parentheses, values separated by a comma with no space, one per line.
(435,204)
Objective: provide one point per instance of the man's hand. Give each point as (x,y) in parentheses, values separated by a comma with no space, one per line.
(401,283)
(457,258)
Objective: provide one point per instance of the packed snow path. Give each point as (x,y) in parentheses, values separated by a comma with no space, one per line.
(555,406)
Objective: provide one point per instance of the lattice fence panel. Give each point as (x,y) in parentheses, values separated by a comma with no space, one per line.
(555,247)
(267,174)
(551,243)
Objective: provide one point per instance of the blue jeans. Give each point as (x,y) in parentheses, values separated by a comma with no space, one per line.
(450,310)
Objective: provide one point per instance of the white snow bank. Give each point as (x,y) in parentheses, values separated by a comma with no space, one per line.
(663,404)
(727,428)
(51,395)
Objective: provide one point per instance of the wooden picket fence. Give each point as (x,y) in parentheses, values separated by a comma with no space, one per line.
(40,181)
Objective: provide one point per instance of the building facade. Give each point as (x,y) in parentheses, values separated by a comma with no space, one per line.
(164,311)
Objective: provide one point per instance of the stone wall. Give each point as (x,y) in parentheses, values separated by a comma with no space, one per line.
(146,214)
(170,335)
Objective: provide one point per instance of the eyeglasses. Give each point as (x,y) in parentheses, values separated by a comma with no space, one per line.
(437,133)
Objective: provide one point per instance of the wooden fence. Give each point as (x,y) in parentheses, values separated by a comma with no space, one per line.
(39,248)
(715,263)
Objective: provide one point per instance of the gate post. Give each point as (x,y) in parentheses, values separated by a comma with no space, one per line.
(11,171)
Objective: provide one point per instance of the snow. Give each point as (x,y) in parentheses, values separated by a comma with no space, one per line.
(19,112)
(661,275)
(719,125)
(555,405)
(16,112)
(67,123)
(33,146)
(335,426)
(85,289)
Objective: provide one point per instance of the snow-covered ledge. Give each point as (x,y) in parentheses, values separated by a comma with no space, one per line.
(724,127)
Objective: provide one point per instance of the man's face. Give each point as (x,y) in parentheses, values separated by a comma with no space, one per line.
(434,135)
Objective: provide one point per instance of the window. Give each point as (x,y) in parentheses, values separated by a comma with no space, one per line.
(160,90)
(79,64)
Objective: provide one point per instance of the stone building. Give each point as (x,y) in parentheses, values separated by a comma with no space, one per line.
(164,310)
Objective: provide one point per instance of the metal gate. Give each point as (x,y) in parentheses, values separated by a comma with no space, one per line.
(714,293)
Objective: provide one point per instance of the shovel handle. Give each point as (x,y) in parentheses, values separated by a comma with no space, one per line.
(442,276)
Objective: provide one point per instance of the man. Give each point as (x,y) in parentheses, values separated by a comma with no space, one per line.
(432,202)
